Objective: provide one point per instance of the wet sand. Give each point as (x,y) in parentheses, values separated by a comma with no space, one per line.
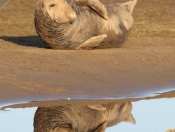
(143,67)
(41,74)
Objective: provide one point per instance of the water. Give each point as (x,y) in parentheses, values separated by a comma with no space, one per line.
(151,116)
(156,115)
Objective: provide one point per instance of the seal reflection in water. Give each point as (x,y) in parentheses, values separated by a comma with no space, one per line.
(83,24)
(81,118)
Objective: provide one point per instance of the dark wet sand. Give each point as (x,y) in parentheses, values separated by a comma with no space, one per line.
(143,67)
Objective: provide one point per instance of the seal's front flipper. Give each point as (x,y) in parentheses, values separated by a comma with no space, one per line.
(97,107)
(129,5)
(95,5)
(92,42)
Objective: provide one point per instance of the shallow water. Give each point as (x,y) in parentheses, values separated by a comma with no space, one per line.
(155,115)
(151,116)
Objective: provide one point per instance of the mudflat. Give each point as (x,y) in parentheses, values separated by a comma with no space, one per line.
(143,67)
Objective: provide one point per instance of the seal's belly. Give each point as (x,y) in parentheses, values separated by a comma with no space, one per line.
(115,28)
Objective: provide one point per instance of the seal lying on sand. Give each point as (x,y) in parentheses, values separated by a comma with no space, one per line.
(83,24)
(82,118)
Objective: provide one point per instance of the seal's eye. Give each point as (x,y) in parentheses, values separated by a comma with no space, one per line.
(52,5)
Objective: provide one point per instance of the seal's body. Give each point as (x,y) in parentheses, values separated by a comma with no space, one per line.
(82,118)
(83,24)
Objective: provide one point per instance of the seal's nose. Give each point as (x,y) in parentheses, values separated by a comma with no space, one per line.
(72,16)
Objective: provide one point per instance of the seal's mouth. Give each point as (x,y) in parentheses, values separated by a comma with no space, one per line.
(67,19)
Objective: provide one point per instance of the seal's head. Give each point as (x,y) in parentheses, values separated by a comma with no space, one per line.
(58,10)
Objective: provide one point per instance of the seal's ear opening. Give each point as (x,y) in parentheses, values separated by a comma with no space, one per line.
(42,5)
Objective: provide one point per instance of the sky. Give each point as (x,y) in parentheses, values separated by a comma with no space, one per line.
(156,115)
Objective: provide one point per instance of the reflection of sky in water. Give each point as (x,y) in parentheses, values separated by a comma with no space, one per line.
(17,120)
(151,116)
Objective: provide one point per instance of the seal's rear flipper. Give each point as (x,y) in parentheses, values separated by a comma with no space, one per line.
(92,42)
(129,5)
